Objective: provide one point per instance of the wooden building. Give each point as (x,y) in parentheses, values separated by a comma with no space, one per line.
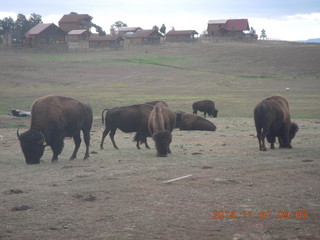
(74,21)
(78,35)
(108,41)
(181,36)
(228,28)
(45,35)
(146,37)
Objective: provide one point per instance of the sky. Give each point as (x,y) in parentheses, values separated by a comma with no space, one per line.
(282,19)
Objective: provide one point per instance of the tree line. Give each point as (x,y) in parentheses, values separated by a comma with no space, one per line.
(18,28)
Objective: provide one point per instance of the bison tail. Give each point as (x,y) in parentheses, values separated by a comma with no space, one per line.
(102,114)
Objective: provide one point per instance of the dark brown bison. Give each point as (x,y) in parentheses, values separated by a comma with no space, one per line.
(161,123)
(272,119)
(128,119)
(187,121)
(52,119)
(206,106)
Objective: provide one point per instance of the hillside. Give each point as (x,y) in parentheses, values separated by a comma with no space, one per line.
(235,75)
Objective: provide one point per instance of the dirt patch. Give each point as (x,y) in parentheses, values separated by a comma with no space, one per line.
(235,190)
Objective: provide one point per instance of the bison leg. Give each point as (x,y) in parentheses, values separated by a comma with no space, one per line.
(137,138)
(146,144)
(112,133)
(77,142)
(261,138)
(271,140)
(104,134)
(56,148)
(195,111)
(86,137)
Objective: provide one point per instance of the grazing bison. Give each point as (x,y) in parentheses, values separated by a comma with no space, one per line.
(272,119)
(161,123)
(187,121)
(206,106)
(128,119)
(52,119)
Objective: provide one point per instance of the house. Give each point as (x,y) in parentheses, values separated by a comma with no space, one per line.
(146,37)
(228,28)
(181,36)
(74,21)
(45,35)
(78,35)
(108,41)
(78,39)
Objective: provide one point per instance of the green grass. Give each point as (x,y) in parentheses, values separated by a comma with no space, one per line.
(16,126)
(177,75)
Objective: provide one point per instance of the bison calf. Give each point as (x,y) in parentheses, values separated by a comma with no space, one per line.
(272,119)
(206,106)
(161,123)
(52,119)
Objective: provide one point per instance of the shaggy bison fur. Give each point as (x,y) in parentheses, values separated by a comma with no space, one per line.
(128,119)
(272,119)
(161,123)
(187,121)
(52,119)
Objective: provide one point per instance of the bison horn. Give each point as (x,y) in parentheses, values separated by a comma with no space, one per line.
(18,135)
(43,140)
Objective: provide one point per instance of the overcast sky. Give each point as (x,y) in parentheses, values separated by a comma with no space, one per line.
(282,19)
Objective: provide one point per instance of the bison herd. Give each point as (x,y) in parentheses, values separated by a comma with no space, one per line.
(55,117)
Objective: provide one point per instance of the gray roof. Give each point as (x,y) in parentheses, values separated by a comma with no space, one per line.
(77,32)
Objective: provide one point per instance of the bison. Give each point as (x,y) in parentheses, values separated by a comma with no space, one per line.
(272,119)
(206,106)
(161,123)
(132,118)
(187,121)
(52,119)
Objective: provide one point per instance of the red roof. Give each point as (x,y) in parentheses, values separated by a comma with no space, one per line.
(237,25)
(145,33)
(40,28)
(181,32)
(232,24)
(74,18)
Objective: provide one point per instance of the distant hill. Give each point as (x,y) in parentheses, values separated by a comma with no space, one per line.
(312,40)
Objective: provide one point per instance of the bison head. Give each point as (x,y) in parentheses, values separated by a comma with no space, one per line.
(32,144)
(162,140)
(214,113)
(292,133)
(293,130)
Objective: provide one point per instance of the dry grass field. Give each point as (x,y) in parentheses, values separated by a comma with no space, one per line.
(234,191)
